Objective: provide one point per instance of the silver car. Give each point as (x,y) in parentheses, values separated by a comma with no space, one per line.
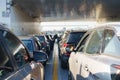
(15,62)
(97,56)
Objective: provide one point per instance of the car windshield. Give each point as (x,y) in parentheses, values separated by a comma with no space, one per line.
(74,37)
(41,38)
(29,45)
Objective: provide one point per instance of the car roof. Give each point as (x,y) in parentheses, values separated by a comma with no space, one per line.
(40,35)
(25,37)
(77,31)
(114,26)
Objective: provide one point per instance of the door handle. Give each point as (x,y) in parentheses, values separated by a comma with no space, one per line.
(86,68)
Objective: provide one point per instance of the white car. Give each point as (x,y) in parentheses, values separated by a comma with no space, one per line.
(97,56)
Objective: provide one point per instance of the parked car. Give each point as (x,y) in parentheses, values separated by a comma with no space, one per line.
(50,39)
(98,55)
(62,41)
(44,42)
(69,45)
(33,46)
(15,62)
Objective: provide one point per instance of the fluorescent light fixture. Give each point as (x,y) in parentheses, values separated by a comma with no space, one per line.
(52,26)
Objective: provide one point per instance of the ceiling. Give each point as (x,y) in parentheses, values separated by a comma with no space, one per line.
(32,7)
(69,9)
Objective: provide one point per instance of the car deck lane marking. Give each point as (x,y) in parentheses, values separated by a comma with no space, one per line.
(55,70)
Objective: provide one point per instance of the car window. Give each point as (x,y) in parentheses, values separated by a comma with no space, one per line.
(16,48)
(112,43)
(37,41)
(29,45)
(41,38)
(82,44)
(74,37)
(38,45)
(94,43)
(5,63)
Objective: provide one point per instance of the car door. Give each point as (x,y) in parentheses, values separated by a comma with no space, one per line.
(24,69)
(91,67)
(73,60)
(6,64)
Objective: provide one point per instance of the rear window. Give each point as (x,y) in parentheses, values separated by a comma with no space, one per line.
(41,38)
(29,45)
(74,37)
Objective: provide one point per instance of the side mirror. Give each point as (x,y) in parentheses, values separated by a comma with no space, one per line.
(40,56)
(74,50)
(68,49)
